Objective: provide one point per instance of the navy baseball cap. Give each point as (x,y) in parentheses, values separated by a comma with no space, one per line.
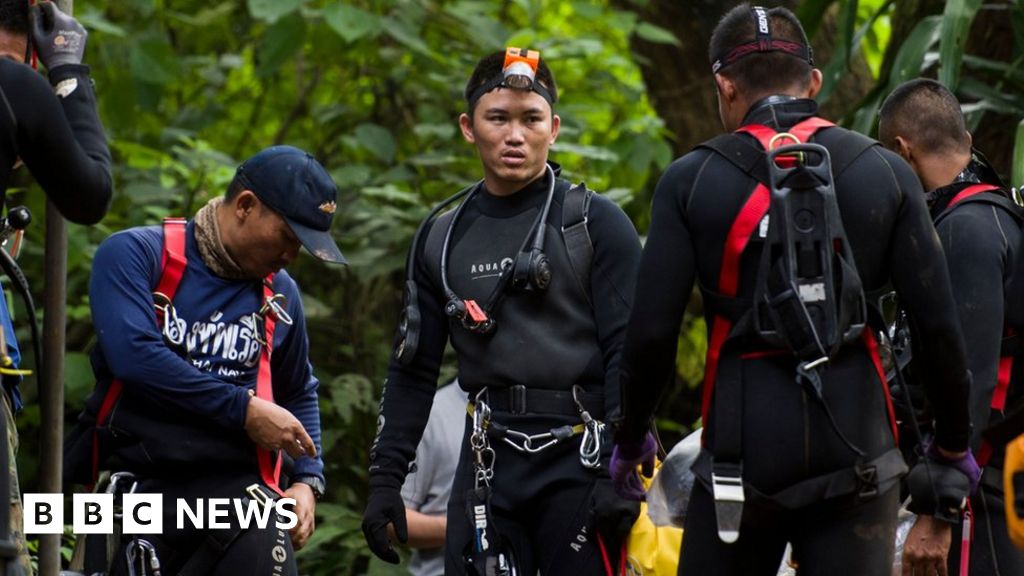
(293,184)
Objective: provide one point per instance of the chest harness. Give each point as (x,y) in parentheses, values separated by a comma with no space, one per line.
(808,301)
(172,327)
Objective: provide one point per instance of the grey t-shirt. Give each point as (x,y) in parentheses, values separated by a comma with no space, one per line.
(428,488)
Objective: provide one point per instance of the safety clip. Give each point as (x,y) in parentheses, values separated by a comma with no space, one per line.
(728,492)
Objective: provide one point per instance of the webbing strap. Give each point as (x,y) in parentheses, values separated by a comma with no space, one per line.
(750,215)
(576,236)
(172,264)
(970,191)
(270,467)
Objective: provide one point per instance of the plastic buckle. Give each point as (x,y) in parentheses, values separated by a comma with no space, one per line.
(867,480)
(729,498)
(517,399)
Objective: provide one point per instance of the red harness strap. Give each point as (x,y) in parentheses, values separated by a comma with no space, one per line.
(173,264)
(750,215)
(970,191)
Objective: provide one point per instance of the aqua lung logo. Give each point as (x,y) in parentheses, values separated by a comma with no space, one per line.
(489,269)
(480,519)
(762,20)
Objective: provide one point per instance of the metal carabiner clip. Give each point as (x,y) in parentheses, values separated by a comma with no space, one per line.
(271,305)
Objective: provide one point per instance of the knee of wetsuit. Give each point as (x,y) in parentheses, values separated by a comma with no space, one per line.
(937,490)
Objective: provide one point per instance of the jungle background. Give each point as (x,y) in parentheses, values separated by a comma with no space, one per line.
(189,88)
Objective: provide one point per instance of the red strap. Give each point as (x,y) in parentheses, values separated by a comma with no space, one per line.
(966,536)
(872,346)
(742,229)
(970,191)
(173,262)
(750,215)
(270,467)
(172,265)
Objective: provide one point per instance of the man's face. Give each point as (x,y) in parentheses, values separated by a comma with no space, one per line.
(268,242)
(13,46)
(512,130)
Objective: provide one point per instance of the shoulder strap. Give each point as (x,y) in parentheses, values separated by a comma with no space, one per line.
(174,261)
(975,194)
(575,207)
(741,154)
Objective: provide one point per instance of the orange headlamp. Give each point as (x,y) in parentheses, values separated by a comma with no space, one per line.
(518,72)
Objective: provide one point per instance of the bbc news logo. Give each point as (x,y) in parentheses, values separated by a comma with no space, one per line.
(144,513)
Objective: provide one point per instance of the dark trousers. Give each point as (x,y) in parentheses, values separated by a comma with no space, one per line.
(540,504)
(255,552)
(840,536)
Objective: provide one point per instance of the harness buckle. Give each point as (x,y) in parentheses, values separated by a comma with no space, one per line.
(517,399)
(867,481)
(727,488)
(255,491)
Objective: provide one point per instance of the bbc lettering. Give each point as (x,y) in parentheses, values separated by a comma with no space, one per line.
(144,513)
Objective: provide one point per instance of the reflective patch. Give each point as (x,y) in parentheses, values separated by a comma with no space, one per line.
(64,88)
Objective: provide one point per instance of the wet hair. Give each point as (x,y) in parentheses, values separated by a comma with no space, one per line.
(762,72)
(926,113)
(14,16)
(491,65)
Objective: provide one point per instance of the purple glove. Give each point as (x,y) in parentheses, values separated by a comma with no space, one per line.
(966,464)
(626,456)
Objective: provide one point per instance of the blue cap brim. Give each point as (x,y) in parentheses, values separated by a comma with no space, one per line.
(319,243)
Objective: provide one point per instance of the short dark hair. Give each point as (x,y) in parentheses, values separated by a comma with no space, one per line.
(761,72)
(235,188)
(926,113)
(491,65)
(14,16)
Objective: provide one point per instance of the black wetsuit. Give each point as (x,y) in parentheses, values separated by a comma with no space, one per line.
(544,341)
(786,436)
(982,242)
(60,139)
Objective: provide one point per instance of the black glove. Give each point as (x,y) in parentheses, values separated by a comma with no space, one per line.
(59,38)
(938,490)
(613,515)
(384,506)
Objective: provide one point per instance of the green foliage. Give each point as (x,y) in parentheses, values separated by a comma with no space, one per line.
(190,88)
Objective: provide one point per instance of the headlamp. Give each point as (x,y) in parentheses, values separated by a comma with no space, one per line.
(519,72)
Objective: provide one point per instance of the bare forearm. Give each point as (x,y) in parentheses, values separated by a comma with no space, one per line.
(425,531)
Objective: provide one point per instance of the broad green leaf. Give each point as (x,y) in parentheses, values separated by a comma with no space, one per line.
(153,61)
(847,23)
(351,22)
(589,152)
(811,13)
(956,24)
(272,10)
(1018,157)
(404,33)
(377,140)
(281,42)
(95,21)
(909,58)
(656,34)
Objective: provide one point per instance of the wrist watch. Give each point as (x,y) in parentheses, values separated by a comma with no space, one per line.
(313,482)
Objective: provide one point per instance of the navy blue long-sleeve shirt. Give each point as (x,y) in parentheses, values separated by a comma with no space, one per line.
(212,385)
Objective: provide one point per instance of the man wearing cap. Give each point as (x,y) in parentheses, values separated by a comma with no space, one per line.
(203,409)
(782,461)
(532,288)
